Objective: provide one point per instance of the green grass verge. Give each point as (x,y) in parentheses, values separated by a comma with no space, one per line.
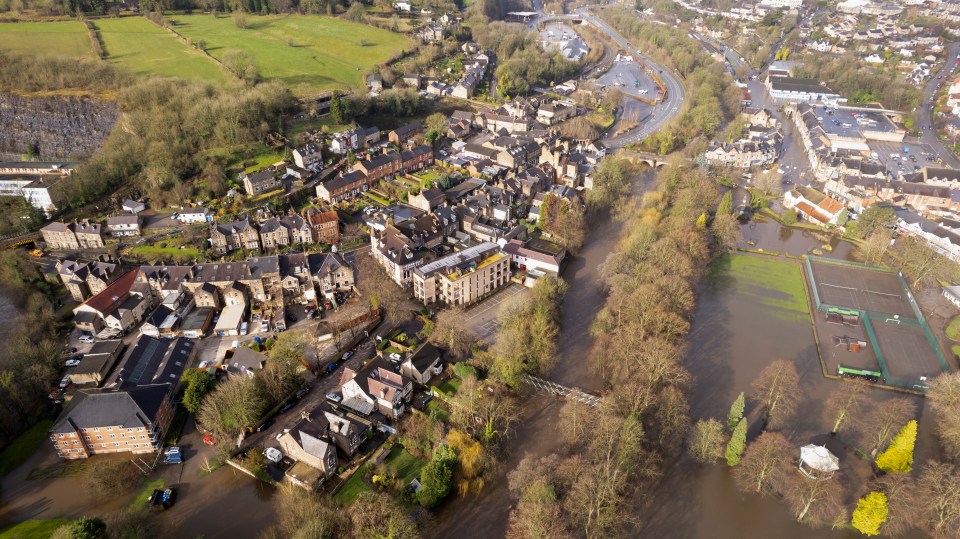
(450,387)
(773,282)
(404,466)
(955,349)
(24,446)
(140,500)
(33,529)
(309,53)
(144,48)
(67,38)
(176,252)
(354,486)
(953,329)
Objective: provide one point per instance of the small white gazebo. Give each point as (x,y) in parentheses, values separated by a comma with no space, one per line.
(817,462)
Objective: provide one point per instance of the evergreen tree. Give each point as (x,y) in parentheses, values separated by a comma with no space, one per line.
(870,514)
(736,412)
(898,458)
(336,109)
(436,477)
(737,443)
(88,528)
(726,206)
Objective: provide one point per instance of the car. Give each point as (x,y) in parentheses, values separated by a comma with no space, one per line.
(273,454)
(286,407)
(333,397)
(64,382)
(162,499)
(265,425)
(209,440)
(291,318)
(77,357)
(302,393)
(71,350)
(72,362)
(86,339)
(395,356)
(264,327)
(172,450)
(243,328)
(347,355)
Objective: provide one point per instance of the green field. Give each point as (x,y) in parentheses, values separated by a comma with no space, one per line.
(146,49)
(54,38)
(33,529)
(774,282)
(309,53)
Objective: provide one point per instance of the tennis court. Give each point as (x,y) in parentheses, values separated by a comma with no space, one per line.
(860,288)
(898,339)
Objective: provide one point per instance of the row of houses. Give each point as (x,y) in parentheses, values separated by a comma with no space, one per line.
(367,172)
(760,145)
(312,225)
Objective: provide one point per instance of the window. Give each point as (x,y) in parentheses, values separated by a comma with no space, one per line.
(113,435)
(96,429)
(99,437)
(116,444)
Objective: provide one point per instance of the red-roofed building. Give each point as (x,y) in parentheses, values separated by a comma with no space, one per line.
(116,307)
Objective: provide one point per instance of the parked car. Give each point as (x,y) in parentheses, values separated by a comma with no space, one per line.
(172,450)
(72,362)
(333,397)
(71,350)
(162,499)
(265,425)
(86,339)
(286,407)
(264,327)
(302,393)
(395,357)
(176,458)
(273,454)
(64,382)
(209,439)
(347,355)
(243,328)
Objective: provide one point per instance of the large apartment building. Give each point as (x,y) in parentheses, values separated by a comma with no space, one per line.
(464,277)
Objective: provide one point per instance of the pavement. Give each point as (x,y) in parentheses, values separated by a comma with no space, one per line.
(482,318)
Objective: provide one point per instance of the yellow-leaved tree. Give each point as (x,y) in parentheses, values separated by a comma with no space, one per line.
(471,461)
(870,514)
(898,458)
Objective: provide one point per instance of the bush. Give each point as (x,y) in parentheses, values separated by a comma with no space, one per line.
(953,329)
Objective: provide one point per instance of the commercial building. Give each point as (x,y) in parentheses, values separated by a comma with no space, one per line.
(793,90)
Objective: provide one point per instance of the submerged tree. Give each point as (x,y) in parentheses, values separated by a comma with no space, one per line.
(737,443)
(777,391)
(765,464)
(736,412)
(706,441)
(870,514)
(844,403)
(898,458)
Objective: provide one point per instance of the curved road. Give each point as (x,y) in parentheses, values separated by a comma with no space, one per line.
(661,113)
(928,133)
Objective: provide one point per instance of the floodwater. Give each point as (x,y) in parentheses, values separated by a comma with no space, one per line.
(486,514)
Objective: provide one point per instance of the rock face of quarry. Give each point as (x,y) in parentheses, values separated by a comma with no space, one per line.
(55,127)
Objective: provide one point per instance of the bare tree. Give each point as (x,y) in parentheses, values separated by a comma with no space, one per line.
(844,403)
(768,181)
(538,514)
(489,414)
(919,260)
(376,514)
(232,407)
(944,396)
(939,491)
(451,332)
(106,478)
(380,289)
(725,230)
(815,502)
(902,504)
(777,391)
(884,420)
(875,246)
(301,513)
(705,443)
(765,464)
(575,421)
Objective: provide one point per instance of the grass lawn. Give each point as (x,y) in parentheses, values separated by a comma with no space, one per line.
(176,252)
(955,349)
(352,488)
(140,500)
(771,281)
(52,38)
(33,529)
(310,53)
(264,158)
(404,465)
(451,386)
(953,329)
(24,446)
(377,198)
(146,49)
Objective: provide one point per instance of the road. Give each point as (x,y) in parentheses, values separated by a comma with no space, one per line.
(928,132)
(669,108)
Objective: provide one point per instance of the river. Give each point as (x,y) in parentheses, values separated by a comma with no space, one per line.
(730,342)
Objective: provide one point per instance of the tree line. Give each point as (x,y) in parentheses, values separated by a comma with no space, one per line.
(619,449)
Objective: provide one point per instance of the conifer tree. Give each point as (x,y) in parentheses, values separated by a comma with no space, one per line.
(898,458)
(737,443)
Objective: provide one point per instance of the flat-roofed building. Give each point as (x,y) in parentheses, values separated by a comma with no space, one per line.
(464,277)
(794,90)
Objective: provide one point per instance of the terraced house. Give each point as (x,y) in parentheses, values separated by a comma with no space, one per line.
(226,237)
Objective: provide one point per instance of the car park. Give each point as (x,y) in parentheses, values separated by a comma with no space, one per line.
(333,397)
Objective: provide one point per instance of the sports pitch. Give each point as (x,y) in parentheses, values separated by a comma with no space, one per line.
(883,330)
